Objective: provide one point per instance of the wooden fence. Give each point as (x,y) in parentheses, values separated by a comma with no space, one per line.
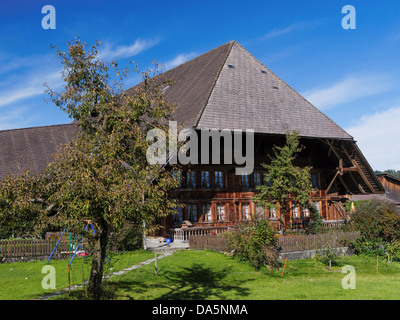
(316,241)
(208,242)
(286,243)
(32,248)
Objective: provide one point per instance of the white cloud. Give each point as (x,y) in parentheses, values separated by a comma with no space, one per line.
(19,117)
(377,136)
(347,90)
(277,32)
(109,51)
(29,86)
(293,27)
(179,59)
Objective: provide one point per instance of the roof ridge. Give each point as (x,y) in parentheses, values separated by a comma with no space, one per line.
(39,127)
(195,58)
(287,85)
(232,42)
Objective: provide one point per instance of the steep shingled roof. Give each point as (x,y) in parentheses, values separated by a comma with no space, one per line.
(32,148)
(228,88)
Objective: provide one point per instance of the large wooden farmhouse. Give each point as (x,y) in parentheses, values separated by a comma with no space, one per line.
(228,88)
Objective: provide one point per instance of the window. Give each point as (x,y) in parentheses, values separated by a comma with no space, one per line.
(295,210)
(266,181)
(192,212)
(245,211)
(220,208)
(314,180)
(206,211)
(178,216)
(205,179)
(316,206)
(272,212)
(219,179)
(177,177)
(306,212)
(257,179)
(191,179)
(245,181)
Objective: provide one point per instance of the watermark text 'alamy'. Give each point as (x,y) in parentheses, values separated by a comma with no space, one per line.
(191,152)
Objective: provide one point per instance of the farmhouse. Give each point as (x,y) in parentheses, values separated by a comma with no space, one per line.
(391,185)
(229,89)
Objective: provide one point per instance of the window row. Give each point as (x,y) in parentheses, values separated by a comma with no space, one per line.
(296,211)
(205,212)
(216,179)
(208,179)
(190,212)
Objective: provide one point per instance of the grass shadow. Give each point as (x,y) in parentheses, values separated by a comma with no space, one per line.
(195,282)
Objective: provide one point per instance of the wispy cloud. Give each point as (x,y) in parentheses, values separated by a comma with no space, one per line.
(276,32)
(179,59)
(17,117)
(29,86)
(377,136)
(110,51)
(348,89)
(11,63)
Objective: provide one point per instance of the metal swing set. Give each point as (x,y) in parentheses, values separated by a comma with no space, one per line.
(78,244)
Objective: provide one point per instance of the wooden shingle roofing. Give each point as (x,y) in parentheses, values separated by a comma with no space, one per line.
(228,88)
(32,148)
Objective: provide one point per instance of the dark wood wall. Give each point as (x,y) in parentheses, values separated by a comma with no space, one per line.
(234,197)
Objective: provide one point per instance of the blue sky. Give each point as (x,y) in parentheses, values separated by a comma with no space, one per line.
(353,76)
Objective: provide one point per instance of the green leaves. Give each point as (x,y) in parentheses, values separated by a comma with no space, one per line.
(284,180)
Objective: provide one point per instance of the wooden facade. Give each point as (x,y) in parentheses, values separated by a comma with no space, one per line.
(214,196)
(391,185)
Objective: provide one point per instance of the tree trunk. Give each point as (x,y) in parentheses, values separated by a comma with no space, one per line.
(95,289)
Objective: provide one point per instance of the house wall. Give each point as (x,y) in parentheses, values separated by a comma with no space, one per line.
(235,199)
(392,187)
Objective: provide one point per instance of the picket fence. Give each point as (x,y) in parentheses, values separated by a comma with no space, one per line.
(291,243)
(32,248)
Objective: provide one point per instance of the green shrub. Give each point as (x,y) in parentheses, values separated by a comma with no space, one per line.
(315,224)
(328,256)
(127,238)
(379,224)
(256,243)
(393,249)
(377,220)
(368,247)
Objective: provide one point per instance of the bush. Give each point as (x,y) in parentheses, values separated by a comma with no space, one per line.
(127,238)
(315,224)
(368,247)
(379,224)
(256,243)
(328,256)
(393,249)
(377,220)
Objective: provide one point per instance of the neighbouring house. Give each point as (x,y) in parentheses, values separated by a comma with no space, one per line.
(391,185)
(228,88)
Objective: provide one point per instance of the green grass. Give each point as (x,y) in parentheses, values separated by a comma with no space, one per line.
(23,280)
(210,275)
(202,275)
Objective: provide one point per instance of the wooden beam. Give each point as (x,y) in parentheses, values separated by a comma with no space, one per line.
(331,183)
(332,148)
(342,181)
(357,184)
(355,164)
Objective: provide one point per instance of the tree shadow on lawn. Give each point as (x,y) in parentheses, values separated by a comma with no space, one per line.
(196,282)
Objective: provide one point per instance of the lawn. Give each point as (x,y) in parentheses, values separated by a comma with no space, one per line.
(210,275)
(23,280)
(203,275)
